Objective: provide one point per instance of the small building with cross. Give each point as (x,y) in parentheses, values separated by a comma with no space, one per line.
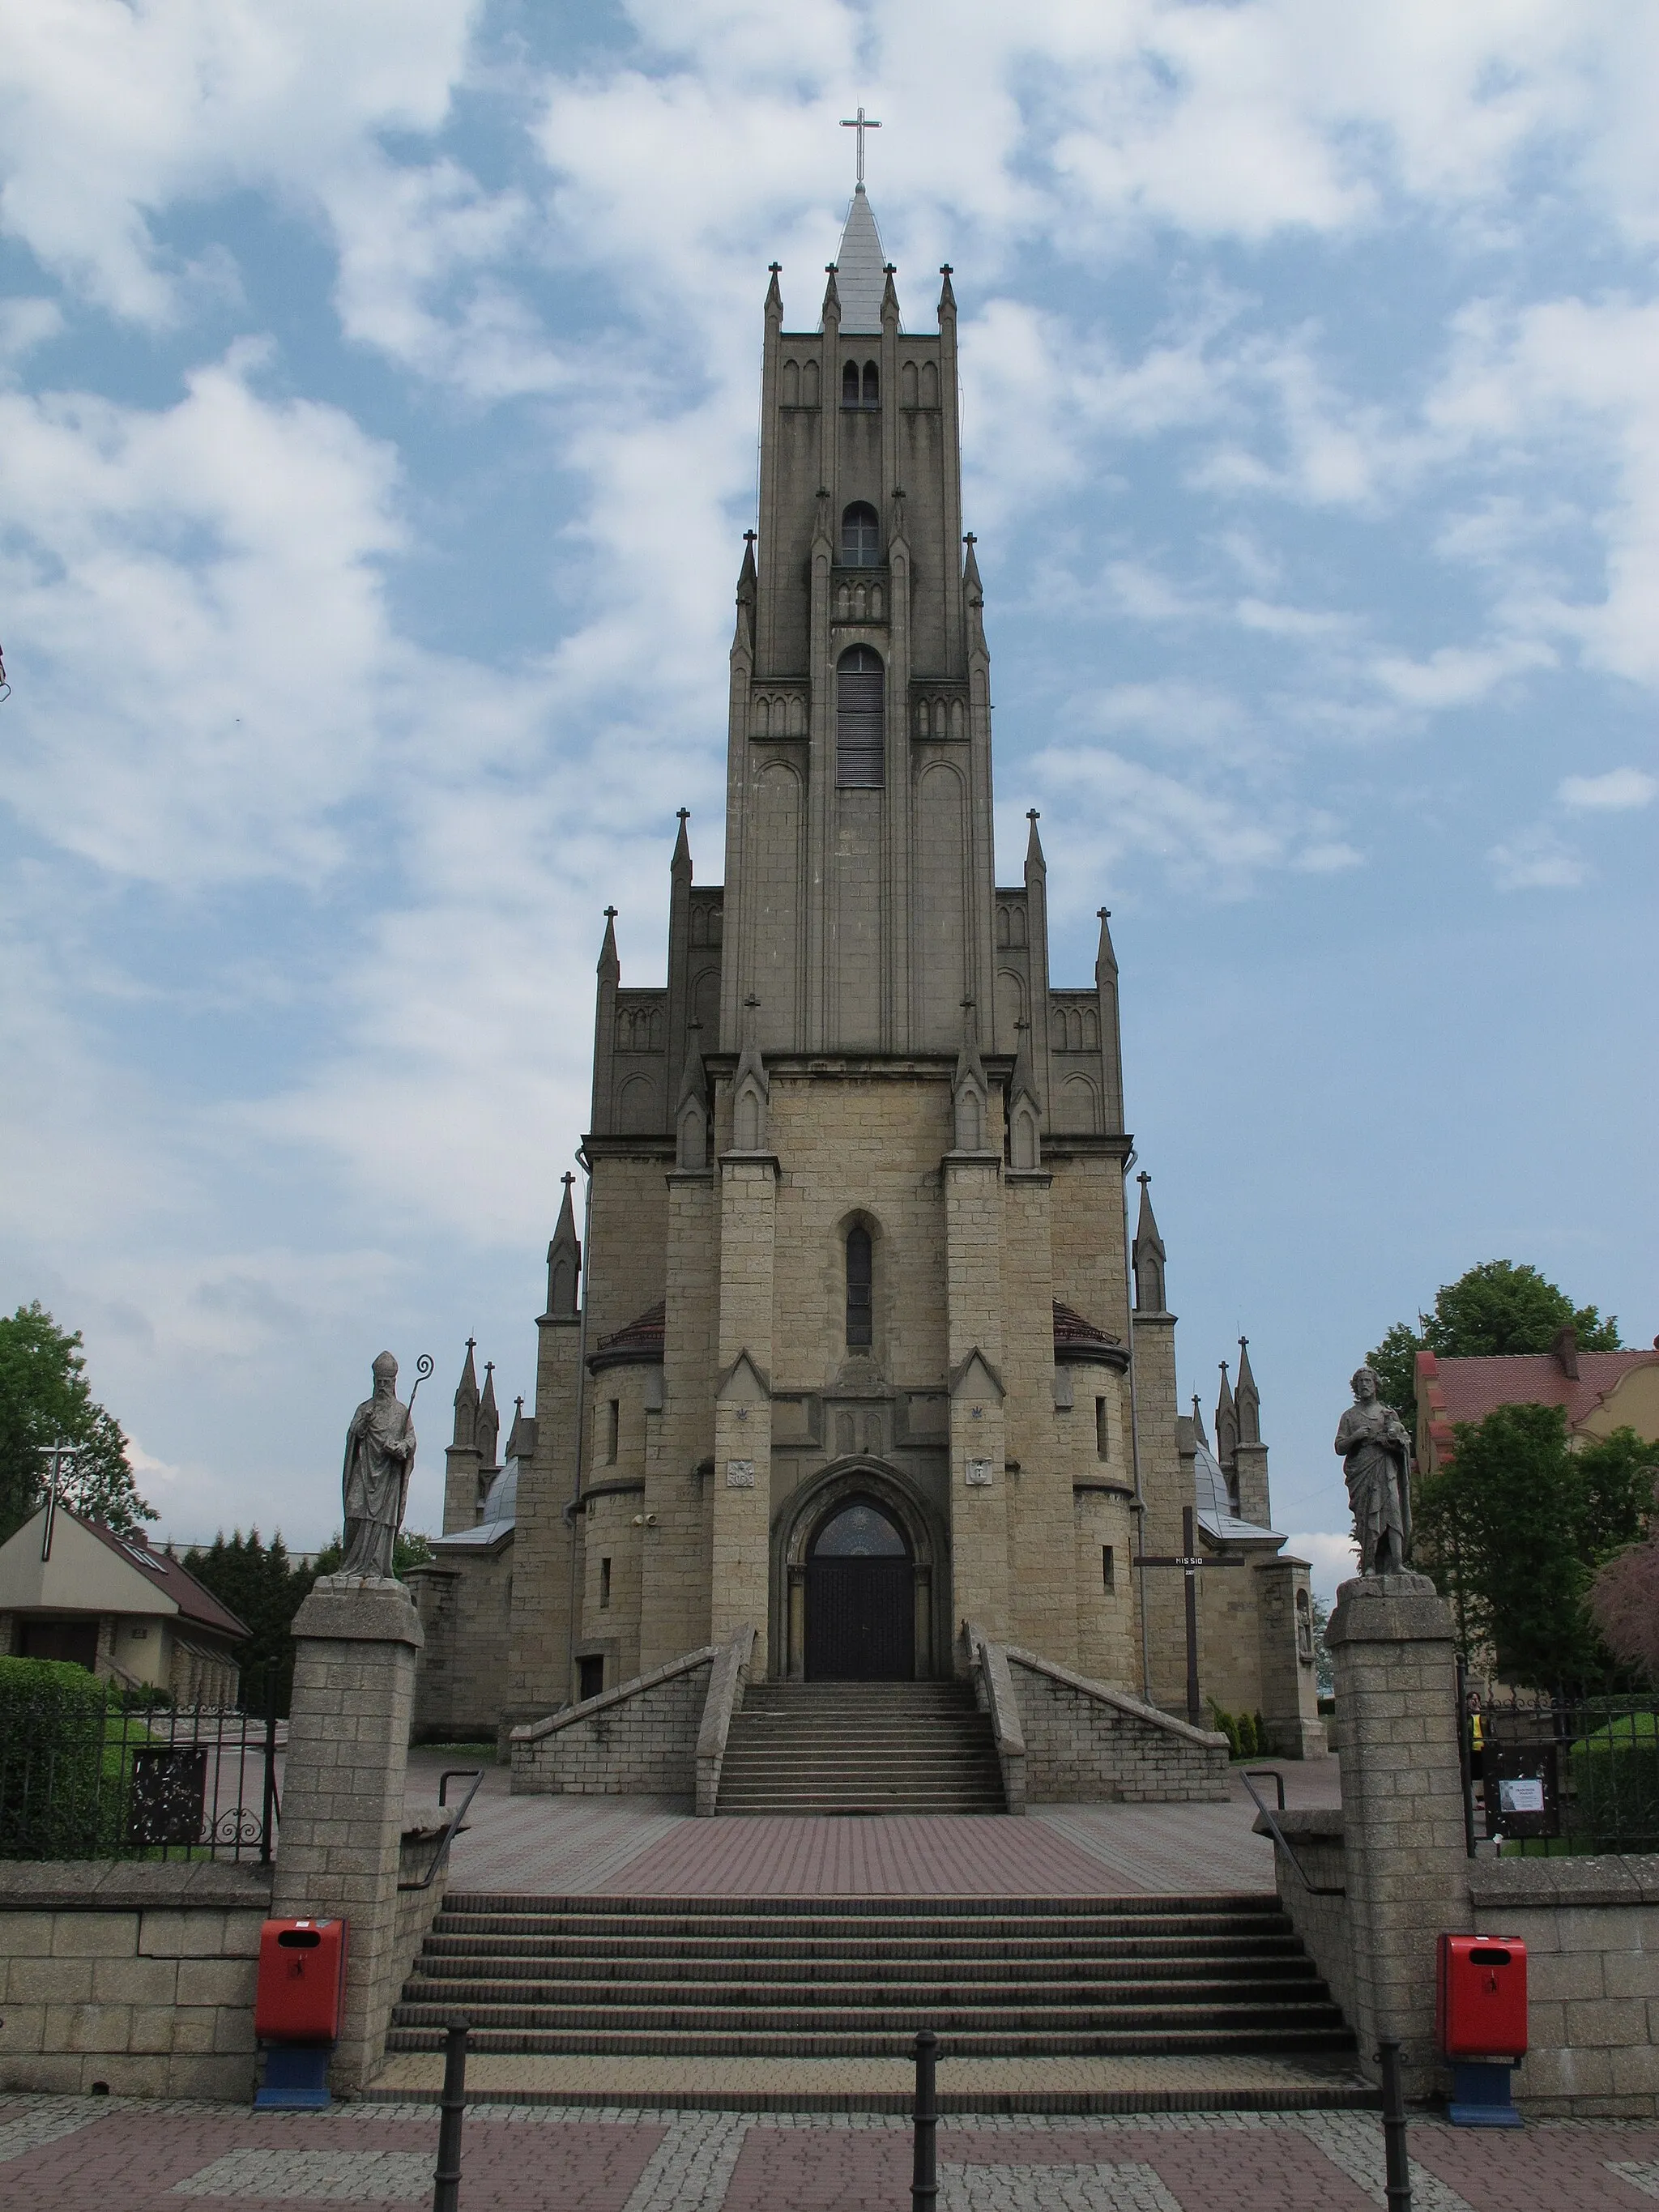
(848,1350)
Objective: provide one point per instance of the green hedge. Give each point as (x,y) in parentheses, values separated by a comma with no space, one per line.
(53,1800)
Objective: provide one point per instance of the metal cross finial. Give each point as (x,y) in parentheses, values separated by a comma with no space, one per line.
(1143,1178)
(1032,815)
(611,913)
(861,122)
(683,815)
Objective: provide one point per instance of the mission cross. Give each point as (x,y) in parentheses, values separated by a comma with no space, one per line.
(1190,1562)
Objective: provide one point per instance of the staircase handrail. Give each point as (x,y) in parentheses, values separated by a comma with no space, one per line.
(990,1664)
(728,1678)
(1314,1888)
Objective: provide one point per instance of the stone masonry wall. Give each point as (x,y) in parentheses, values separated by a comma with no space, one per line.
(638,1740)
(1591,1930)
(1086,1744)
(139,1976)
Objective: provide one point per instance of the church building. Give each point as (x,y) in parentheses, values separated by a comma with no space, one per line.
(855,1344)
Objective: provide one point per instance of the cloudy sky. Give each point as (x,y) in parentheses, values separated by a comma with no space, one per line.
(377,413)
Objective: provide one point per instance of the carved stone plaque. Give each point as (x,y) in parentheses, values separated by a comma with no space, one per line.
(979,1471)
(740,1474)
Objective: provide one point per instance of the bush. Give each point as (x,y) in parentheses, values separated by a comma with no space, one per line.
(53,1801)
(1615,1783)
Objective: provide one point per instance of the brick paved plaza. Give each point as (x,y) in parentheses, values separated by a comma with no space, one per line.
(86,2154)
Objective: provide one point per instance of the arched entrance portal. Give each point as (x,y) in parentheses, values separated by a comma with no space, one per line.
(861,1596)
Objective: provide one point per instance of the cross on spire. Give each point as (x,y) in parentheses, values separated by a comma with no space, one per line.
(861,122)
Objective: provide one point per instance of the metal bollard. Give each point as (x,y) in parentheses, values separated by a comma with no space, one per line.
(452,2106)
(924,2182)
(1398,2189)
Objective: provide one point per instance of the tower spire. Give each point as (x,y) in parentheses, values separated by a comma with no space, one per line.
(1247,1398)
(564,1260)
(1148,1256)
(1226,1423)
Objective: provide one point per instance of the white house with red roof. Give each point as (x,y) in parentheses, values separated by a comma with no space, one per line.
(117,1606)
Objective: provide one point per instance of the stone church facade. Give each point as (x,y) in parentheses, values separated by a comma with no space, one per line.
(851,1347)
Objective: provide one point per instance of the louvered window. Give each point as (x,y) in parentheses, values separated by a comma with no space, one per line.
(860,720)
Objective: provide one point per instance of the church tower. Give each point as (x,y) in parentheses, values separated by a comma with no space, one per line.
(852,1362)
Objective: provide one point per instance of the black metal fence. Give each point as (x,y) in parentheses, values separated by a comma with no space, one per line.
(134,1778)
(1561,1772)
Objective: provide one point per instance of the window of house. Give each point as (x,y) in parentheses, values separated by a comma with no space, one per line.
(860,1281)
(1102,1431)
(612,1430)
(860,720)
(860,536)
(605,1584)
(1108,1568)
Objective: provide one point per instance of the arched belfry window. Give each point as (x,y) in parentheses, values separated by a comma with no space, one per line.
(860,536)
(871,385)
(860,720)
(849,384)
(858,391)
(861,1285)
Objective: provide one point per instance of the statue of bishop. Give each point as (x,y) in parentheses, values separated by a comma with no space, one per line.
(379,1457)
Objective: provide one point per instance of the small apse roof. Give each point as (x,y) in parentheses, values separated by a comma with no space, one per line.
(860,272)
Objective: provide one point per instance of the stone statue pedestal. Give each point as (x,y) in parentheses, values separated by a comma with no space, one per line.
(1393,1648)
(356,1638)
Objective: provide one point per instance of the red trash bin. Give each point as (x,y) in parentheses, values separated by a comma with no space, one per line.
(1481,2010)
(301,1982)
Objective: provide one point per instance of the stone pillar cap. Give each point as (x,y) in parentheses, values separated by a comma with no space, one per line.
(1403,1609)
(360,1609)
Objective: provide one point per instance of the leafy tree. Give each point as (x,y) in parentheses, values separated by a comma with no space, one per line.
(1496,1307)
(1624,1596)
(1515,1530)
(46,1398)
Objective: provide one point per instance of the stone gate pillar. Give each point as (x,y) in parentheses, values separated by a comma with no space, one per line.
(355,1643)
(1393,1648)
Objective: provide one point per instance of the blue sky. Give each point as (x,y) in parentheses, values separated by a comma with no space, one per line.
(377,409)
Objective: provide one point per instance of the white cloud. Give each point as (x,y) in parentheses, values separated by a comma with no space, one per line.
(1458,676)
(1536,861)
(1332,1559)
(1617,792)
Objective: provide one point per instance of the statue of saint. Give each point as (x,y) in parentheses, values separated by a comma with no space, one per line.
(1376,1459)
(379,1456)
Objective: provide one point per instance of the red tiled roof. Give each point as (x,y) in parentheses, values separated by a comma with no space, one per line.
(641,1340)
(194,1602)
(1468,1389)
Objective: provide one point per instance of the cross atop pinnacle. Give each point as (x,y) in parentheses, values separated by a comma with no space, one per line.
(861,122)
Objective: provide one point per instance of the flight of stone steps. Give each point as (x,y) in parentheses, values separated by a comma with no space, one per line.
(779,1978)
(852,1748)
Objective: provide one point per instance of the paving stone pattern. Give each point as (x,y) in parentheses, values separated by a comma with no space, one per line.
(81,2154)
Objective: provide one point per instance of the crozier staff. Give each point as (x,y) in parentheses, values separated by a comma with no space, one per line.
(379,1457)
(1377,1458)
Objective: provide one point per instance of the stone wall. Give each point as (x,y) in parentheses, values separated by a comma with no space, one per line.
(638,1740)
(464,1600)
(1087,1744)
(1591,1930)
(137,1977)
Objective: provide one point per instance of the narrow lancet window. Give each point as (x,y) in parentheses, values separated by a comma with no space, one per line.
(860,720)
(871,385)
(861,1276)
(860,536)
(849,384)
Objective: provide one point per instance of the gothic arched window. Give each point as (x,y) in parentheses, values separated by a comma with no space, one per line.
(871,385)
(849,384)
(860,1281)
(860,536)
(860,720)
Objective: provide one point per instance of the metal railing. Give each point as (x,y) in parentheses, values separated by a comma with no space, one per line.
(135,1777)
(1250,1778)
(1560,1772)
(449,1774)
